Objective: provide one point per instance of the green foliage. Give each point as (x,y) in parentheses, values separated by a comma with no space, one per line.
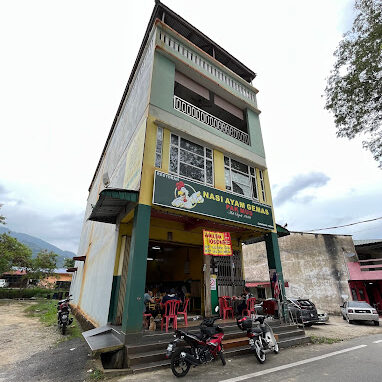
(13,254)
(2,218)
(354,87)
(13,293)
(46,311)
(43,265)
(96,375)
(68,263)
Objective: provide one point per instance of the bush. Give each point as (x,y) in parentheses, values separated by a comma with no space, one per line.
(13,293)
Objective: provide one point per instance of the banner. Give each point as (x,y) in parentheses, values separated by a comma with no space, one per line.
(217,243)
(176,192)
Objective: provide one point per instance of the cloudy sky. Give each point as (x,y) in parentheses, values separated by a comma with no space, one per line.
(63,70)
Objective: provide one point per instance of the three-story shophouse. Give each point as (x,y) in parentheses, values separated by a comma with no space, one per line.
(184,154)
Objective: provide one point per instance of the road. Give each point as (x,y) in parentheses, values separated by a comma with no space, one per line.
(355,360)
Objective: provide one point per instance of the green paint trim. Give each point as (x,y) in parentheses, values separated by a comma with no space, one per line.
(162,96)
(114,299)
(274,260)
(136,273)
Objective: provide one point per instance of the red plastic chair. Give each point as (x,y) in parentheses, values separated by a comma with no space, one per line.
(269,307)
(170,311)
(250,306)
(224,306)
(184,311)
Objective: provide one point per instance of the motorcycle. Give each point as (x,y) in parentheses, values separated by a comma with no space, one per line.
(200,348)
(63,311)
(261,339)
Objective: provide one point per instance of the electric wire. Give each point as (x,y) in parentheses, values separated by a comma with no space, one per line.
(341,226)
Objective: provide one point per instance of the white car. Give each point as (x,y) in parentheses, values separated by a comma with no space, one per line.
(359,311)
(323,317)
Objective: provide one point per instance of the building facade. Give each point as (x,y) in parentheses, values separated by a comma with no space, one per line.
(315,266)
(184,154)
(365,275)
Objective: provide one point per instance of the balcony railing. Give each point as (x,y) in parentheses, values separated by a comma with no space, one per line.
(210,120)
(203,64)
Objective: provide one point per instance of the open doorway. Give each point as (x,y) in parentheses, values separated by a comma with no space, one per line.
(174,266)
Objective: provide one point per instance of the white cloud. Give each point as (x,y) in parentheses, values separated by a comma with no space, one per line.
(64,69)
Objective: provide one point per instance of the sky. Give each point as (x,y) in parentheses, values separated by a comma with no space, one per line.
(65,65)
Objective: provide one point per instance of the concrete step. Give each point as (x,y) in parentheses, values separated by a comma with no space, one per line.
(158,341)
(156,352)
(232,352)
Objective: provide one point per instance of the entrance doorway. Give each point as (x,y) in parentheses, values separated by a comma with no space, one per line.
(174,266)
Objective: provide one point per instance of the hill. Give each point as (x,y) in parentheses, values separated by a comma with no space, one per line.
(37,245)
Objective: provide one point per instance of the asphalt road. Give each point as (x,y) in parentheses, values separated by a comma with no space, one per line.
(344,361)
(65,362)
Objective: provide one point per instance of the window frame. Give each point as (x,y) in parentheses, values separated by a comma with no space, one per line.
(252,178)
(159,134)
(205,160)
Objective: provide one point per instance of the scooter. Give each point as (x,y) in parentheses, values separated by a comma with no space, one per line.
(200,348)
(63,311)
(261,339)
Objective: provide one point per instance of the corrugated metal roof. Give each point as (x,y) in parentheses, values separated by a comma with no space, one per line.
(365,242)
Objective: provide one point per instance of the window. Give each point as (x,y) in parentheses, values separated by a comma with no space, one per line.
(240,178)
(191,160)
(262,184)
(158,150)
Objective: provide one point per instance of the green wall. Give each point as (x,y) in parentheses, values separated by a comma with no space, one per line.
(162,93)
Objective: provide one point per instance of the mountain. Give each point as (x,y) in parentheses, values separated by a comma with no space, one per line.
(37,245)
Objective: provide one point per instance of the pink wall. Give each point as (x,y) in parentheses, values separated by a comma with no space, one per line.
(356,273)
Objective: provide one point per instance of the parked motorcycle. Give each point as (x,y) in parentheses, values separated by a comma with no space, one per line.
(63,312)
(198,348)
(261,339)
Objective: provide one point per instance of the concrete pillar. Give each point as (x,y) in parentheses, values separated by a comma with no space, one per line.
(274,261)
(207,288)
(132,317)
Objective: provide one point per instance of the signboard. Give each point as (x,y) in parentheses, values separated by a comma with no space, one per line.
(182,194)
(213,282)
(217,243)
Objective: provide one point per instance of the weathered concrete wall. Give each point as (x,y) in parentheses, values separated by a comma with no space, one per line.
(314,265)
(92,283)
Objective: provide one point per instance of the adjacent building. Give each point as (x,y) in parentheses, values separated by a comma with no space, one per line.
(184,154)
(327,269)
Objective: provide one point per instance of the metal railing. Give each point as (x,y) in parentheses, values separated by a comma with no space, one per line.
(204,64)
(210,120)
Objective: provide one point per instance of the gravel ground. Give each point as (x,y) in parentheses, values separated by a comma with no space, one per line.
(30,351)
(340,329)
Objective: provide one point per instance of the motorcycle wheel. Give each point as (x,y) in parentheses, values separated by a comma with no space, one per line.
(222,358)
(259,353)
(179,366)
(276,349)
(63,329)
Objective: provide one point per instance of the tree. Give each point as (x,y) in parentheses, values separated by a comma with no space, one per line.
(13,254)
(2,218)
(354,87)
(43,265)
(68,263)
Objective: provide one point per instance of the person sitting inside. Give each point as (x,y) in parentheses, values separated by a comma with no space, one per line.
(149,303)
(246,295)
(170,296)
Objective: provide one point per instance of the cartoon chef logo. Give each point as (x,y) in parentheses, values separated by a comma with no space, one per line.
(183,199)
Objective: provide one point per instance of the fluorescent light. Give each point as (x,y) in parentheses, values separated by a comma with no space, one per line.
(150,259)
(157,248)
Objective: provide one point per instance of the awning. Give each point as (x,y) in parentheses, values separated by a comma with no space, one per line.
(258,284)
(263,284)
(111,203)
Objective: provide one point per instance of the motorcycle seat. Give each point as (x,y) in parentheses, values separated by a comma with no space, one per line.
(256,330)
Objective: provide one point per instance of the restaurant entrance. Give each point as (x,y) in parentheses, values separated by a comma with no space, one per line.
(179,267)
